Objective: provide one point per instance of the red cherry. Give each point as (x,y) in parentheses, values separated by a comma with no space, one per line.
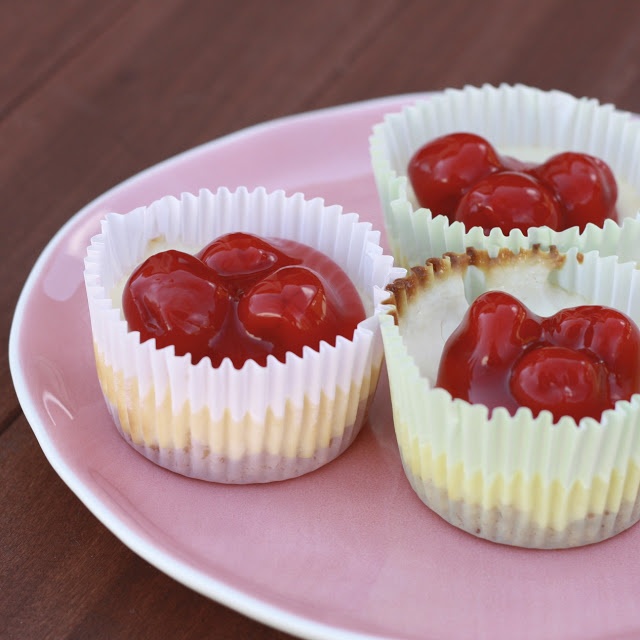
(445,168)
(509,200)
(561,380)
(584,184)
(610,335)
(477,357)
(240,259)
(175,299)
(577,188)
(288,308)
(578,362)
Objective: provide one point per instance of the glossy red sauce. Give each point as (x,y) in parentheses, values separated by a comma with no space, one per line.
(242,297)
(578,362)
(461,176)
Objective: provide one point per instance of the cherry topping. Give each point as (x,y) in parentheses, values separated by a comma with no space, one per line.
(606,332)
(242,297)
(578,362)
(175,298)
(508,200)
(460,175)
(240,259)
(584,184)
(288,307)
(445,168)
(567,382)
(476,359)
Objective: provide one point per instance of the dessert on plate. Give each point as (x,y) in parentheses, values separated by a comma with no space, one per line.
(448,166)
(234,332)
(515,383)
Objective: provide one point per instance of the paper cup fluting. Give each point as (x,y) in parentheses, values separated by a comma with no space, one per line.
(518,121)
(225,424)
(512,479)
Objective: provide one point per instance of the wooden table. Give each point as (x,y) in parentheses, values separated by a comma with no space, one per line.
(93,92)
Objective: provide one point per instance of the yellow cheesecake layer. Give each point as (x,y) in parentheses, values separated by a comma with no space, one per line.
(507,524)
(546,501)
(299,432)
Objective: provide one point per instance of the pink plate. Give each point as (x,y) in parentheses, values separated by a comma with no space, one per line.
(346,552)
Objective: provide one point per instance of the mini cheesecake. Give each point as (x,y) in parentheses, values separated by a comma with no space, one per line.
(520,122)
(259,421)
(510,475)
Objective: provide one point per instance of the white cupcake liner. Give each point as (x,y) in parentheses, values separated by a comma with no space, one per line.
(257,423)
(516,120)
(516,479)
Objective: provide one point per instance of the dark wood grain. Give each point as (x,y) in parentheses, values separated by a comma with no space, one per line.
(36,43)
(63,575)
(91,93)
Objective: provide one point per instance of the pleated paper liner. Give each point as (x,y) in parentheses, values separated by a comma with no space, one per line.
(523,121)
(516,480)
(257,423)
